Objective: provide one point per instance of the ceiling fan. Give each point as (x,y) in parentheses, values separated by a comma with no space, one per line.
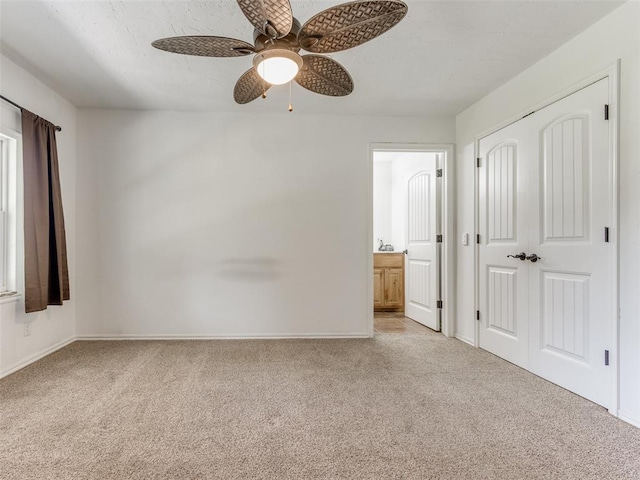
(278,38)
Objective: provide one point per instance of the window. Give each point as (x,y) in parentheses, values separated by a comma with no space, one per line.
(9,190)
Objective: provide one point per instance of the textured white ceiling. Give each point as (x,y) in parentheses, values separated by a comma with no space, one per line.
(441,58)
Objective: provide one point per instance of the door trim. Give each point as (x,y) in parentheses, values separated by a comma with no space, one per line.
(446,216)
(613,73)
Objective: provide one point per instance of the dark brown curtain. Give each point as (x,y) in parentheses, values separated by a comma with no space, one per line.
(46,275)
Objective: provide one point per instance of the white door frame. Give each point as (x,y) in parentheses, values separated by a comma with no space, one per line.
(613,73)
(446,216)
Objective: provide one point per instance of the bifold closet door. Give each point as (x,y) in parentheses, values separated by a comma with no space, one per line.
(545,189)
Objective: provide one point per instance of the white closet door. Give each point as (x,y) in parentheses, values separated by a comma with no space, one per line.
(545,188)
(421,267)
(571,286)
(503,280)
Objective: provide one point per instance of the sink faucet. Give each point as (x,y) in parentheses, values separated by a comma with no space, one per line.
(381,245)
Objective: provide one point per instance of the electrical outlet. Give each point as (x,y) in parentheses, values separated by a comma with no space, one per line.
(27,329)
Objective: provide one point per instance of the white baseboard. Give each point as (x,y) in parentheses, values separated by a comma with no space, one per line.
(464,339)
(36,356)
(629,419)
(126,336)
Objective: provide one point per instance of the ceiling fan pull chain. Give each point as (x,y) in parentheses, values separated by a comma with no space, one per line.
(290,104)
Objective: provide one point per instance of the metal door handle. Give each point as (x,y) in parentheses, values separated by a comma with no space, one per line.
(534,258)
(521,256)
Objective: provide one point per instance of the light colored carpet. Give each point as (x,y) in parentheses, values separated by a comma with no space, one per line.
(415,406)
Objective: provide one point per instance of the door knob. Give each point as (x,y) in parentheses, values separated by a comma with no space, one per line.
(521,256)
(534,258)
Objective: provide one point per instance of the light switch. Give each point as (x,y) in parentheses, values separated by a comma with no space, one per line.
(465,239)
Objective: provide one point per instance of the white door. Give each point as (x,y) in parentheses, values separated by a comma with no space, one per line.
(421,267)
(570,287)
(559,307)
(503,190)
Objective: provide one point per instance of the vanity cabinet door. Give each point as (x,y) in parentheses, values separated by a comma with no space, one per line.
(388,282)
(378,287)
(394,287)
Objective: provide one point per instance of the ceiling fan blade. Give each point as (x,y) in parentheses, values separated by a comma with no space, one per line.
(249,87)
(271,17)
(324,76)
(205,46)
(350,24)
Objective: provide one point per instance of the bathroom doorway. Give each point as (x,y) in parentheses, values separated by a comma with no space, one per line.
(409,236)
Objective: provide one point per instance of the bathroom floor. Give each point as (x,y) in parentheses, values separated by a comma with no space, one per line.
(396,322)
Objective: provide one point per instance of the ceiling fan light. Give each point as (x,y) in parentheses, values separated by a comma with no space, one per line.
(277,65)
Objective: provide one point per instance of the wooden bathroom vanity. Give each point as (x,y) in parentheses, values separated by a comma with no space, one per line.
(388,281)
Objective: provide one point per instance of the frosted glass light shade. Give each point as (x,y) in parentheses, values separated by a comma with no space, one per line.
(277,66)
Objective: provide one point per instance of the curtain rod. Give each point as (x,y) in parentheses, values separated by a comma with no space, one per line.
(59,129)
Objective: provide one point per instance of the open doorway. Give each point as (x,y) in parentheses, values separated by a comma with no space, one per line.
(409,236)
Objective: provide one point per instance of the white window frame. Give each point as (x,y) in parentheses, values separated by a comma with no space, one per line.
(11,205)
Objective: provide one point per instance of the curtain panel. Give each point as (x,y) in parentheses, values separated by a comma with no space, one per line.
(46,275)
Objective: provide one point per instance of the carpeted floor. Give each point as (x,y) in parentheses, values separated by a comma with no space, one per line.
(414,407)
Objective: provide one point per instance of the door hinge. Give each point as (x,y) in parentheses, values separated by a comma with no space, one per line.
(606,112)
(606,357)
(477,314)
(478,238)
(606,234)
(439,172)
(438,238)
(439,304)
(478,162)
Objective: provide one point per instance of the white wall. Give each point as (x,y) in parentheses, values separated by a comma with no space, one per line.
(56,325)
(228,224)
(615,36)
(381,202)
